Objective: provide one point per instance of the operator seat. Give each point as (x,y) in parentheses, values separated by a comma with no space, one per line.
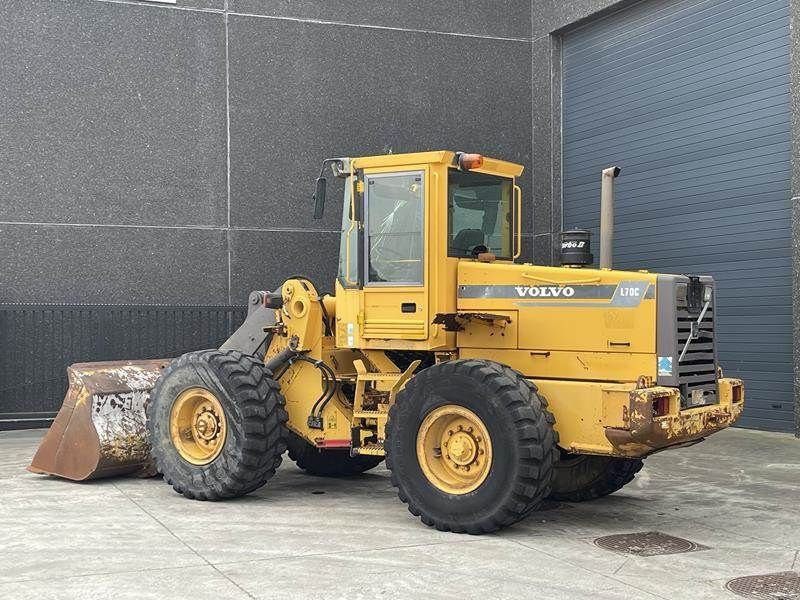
(465,240)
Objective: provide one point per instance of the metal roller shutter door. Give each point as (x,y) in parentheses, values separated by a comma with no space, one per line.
(691,99)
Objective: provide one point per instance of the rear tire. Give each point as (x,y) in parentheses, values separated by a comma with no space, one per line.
(582,477)
(252,426)
(328,463)
(488,400)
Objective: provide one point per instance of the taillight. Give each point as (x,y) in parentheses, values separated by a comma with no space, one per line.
(661,406)
(738,393)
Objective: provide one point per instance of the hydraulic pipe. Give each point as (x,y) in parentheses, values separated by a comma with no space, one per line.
(607,216)
(284,356)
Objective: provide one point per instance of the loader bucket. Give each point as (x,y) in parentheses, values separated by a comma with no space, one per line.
(100,430)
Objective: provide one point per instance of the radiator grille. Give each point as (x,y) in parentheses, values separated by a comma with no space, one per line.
(697,372)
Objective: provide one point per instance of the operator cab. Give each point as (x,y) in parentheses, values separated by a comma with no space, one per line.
(407,220)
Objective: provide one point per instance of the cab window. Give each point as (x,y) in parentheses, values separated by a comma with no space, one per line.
(348,244)
(394,228)
(480,215)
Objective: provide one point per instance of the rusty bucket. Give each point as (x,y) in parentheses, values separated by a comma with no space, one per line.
(100,430)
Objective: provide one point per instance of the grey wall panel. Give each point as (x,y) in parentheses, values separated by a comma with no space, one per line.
(201,4)
(63,263)
(477,17)
(263,260)
(542,139)
(112,113)
(691,99)
(551,15)
(300,92)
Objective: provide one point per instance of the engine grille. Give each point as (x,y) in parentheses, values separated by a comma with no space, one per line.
(697,372)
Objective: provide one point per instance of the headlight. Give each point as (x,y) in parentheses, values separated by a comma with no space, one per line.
(707,293)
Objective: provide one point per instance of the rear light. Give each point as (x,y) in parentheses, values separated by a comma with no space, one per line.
(467,162)
(661,406)
(738,393)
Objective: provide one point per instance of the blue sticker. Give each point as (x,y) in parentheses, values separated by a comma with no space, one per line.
(665,365)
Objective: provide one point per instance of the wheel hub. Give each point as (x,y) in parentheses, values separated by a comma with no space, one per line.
(454,449)
(197,426)
(207,424)
(462,449)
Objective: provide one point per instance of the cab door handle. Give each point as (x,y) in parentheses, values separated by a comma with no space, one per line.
(408,307)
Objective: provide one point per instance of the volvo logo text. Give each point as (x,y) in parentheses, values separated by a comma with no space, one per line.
(545,291)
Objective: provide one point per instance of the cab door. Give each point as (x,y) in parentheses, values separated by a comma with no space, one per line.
(395,298)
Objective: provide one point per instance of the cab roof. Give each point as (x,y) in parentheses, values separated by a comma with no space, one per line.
(493,166)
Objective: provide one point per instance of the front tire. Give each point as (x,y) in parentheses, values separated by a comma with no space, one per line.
(328,463)
(582,477)
(470,446)
(217,424)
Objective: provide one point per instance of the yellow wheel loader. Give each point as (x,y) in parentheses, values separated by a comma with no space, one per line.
(486,385)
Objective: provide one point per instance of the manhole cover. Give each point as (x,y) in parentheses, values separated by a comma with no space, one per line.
(773,586)
(648,543)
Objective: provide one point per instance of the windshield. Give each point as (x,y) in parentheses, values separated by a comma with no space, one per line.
(480,217)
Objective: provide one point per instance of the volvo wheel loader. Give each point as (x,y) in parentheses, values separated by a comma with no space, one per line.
(486,385)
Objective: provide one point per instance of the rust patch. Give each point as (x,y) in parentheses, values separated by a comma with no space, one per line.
(646,432)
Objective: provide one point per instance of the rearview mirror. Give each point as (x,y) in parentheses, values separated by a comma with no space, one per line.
(319,197)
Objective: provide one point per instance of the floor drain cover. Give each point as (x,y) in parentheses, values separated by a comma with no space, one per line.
(649,543)
(774,586)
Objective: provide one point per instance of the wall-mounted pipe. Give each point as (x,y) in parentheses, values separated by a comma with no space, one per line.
(607,216)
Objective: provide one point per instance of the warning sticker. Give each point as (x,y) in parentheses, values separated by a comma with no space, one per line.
(665,365)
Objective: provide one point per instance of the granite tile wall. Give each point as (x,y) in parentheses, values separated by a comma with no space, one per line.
(165,153)
(794,53)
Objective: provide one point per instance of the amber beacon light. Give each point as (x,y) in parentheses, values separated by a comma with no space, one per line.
(467,162)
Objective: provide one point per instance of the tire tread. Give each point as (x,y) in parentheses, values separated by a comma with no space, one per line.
(263,429)
(536,438)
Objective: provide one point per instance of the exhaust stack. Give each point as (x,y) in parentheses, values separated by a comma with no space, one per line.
(607,216)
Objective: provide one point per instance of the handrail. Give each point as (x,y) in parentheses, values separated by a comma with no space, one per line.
(556,282)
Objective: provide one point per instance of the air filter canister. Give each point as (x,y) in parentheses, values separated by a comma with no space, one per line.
(576,248)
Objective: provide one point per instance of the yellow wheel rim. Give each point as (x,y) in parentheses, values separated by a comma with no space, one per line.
(454,449)
(197,426)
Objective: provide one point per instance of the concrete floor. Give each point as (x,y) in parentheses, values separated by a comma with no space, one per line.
(303,537)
